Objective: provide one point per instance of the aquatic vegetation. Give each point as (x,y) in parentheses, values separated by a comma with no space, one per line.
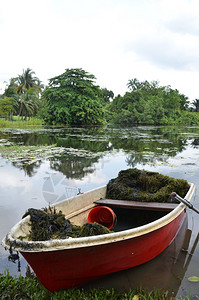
(27,155)
(141,185)
(47,224)
(193,278)
(5,142)
(90,229)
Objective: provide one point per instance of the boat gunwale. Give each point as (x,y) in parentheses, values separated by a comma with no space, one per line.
(71,243)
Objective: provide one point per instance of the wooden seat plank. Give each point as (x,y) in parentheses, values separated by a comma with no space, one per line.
(137,205)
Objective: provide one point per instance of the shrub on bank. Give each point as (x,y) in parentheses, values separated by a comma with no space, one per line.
(30,288)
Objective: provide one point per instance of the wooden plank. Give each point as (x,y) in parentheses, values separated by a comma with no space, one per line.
(137,205)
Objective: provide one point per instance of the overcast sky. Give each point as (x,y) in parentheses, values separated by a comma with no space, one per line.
(116,40)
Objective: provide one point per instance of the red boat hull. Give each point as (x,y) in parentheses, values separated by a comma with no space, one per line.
(63,269)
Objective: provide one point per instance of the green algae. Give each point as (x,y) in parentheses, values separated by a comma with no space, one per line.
(141,185)
(48,224)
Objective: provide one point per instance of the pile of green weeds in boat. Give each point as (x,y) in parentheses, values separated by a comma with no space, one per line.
(141,185)
(47,224)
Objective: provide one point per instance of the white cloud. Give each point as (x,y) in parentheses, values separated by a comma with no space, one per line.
(116,40)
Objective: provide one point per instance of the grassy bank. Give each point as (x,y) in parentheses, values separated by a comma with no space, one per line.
(30,288)
(19,123)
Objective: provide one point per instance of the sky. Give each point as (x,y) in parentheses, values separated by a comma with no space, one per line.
(115,40)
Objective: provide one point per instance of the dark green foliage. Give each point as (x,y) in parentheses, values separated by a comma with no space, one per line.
(47,224)
(30,288)
(7,106)
(148,103)
(73,98)
(195,105)
(107,95)
(90,229)
(9,103)
(10,91)
(141,185)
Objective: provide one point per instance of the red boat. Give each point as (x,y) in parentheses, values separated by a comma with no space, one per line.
(142,232)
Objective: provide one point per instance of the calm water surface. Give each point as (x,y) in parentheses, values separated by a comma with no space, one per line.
(93,157)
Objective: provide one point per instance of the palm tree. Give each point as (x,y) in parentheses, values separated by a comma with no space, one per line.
(29,103)
(133,84)
(26,82)
(195,105)
(39,87)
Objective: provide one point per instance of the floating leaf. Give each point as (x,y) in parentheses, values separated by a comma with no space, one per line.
(193,278)
(191,174)
(173,165)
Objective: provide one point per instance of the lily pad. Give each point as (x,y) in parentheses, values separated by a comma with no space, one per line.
(193,278)
(27,155)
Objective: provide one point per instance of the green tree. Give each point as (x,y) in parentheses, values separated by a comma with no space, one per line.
(195,105)
(135,85)
(184,102)
(26,80)
(29,103)
(73,98)
(148,103)
(10,90)
(107,95)
(26,90)
(8,106)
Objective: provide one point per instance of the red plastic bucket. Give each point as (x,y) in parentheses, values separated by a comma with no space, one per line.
(103,215)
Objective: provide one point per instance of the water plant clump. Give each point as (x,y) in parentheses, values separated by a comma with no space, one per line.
(48,224)
(141,185)
(89,229)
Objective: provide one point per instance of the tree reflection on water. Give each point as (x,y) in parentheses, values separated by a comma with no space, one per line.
(142,145)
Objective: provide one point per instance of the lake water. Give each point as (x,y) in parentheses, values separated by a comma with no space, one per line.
(91,158)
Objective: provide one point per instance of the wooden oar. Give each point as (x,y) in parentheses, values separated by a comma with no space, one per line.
(187,203)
